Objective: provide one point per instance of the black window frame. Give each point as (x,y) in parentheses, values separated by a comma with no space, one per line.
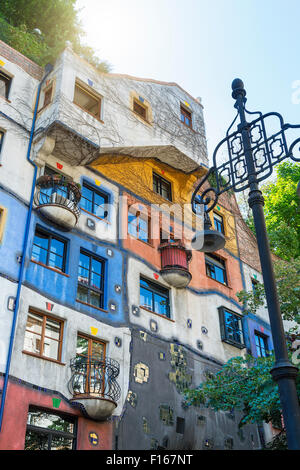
(156,288)
(157,182)
(8,79)
(50,432)
(210,267)
(94,190)
(50,236)
(224,328)
(264,338)
(88,286)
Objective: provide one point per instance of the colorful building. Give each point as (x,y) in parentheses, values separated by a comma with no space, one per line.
(108,314)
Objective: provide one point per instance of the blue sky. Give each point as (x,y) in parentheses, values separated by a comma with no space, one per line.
(203,46)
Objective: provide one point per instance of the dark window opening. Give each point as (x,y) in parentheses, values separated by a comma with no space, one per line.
(162,187)
(231,327)
(47,96)
(180,425)
(140,110)
(154,297)
(90,280)
(5,83)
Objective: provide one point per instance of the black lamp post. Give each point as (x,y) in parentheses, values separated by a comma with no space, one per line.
(252,156)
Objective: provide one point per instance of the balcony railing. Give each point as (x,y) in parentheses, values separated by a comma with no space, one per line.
(57,198)
(93,384)
(175,264)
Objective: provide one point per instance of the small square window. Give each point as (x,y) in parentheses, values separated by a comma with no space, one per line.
(94,201)
(185,116)
(43,336)
(154,297)
(5,83)
(231,327)
(49,250)
(215,268)
(87,100)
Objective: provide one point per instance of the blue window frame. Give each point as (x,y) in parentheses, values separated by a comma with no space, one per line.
(90,280)
(1,139)
(215,268)
(55,194)
(49,250)
(231,327)
(94,201)
(154,297)
(261,343)
(219,223)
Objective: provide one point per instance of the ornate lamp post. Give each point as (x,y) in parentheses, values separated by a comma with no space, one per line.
(252,154)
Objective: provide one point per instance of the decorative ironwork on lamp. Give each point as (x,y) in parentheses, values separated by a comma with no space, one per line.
(252,155)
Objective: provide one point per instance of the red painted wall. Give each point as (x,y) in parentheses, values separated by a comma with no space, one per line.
(18,399)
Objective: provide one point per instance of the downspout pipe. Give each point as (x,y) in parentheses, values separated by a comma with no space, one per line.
(48,70)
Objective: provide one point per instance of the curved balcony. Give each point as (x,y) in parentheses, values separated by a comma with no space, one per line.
(174,264)
(94,387)
(57,199)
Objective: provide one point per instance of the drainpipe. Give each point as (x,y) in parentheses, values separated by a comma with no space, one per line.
(48,69)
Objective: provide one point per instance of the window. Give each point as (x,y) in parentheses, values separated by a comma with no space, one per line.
(49,431)
(162,187)
(92,376)
(90,280)
(43,336)
(261,343)
(219,223)
(138,225)
(48,95)
(215,268)
(55,194)
(87,100)
(94,201)
(5,83)
(154,297)
(1,139)
(49,250)
(3,212)
(185,116)
(254,283)
(231,327)
(140,109)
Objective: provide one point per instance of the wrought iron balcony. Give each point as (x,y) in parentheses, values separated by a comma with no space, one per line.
(93,385)
(57,199)
(174,264)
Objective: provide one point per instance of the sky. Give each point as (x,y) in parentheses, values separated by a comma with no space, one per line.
(203,45)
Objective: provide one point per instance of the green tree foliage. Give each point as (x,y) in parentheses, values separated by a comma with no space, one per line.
(243,384)
(287,276)
(282,211)
(57,20)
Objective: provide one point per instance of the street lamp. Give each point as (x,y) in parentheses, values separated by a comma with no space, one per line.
(252,154)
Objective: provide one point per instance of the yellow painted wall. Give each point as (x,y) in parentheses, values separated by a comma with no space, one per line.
(136,174)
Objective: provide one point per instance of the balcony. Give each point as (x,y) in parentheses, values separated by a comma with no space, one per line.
(174,264)
(94,387)
(57,199)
